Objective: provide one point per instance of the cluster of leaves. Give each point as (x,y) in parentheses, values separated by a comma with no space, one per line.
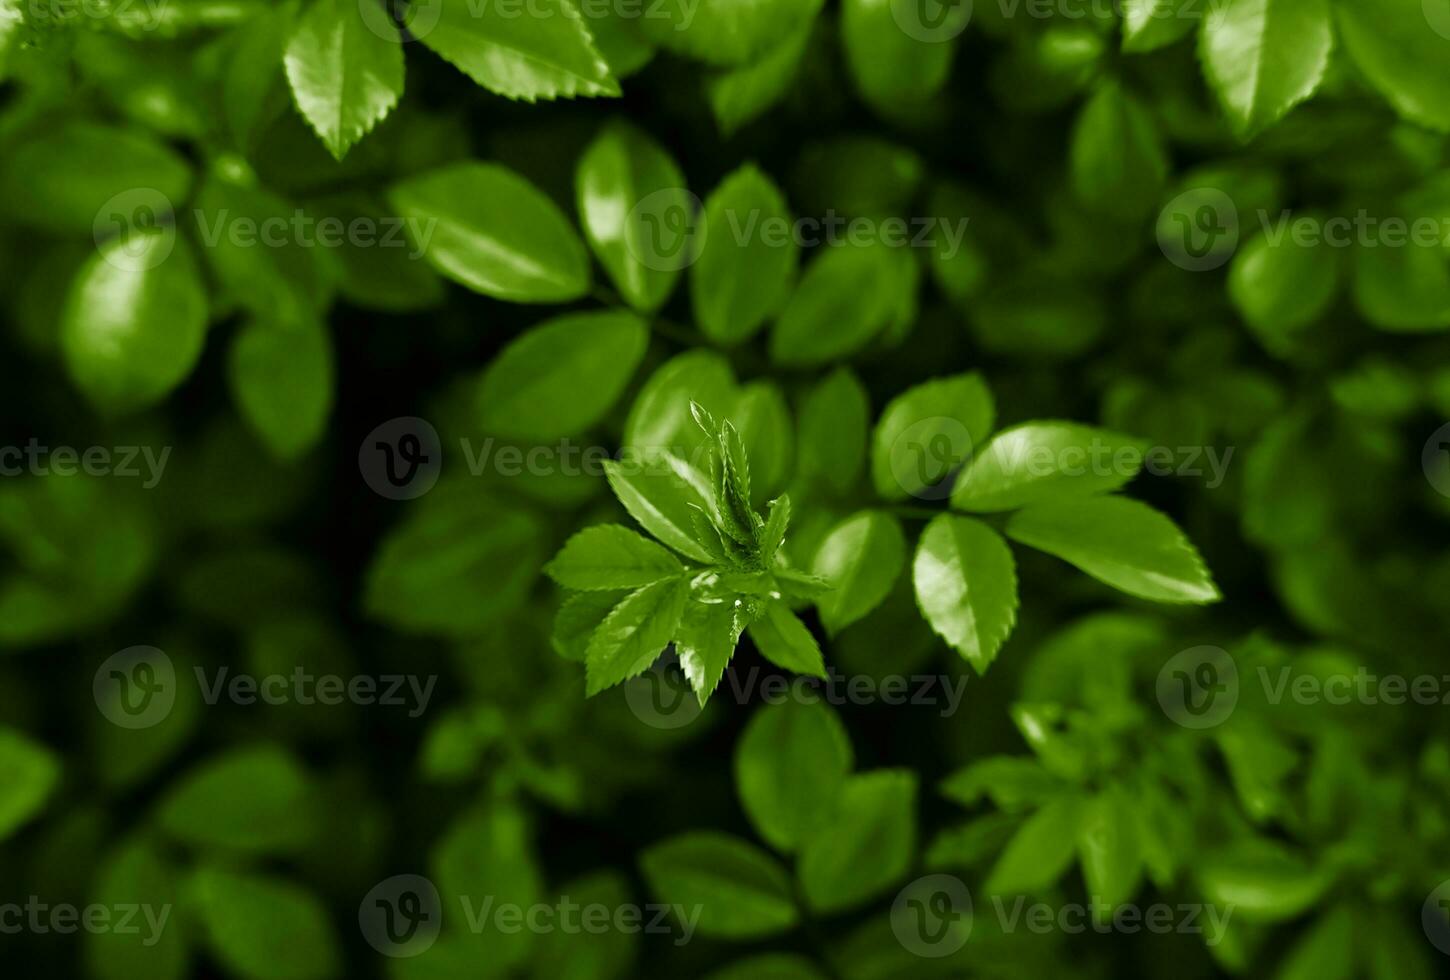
(963,572)
(793,426)
(702,609)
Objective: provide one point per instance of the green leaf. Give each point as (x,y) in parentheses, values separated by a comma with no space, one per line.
(770,966)
(659,494)
(134,320)
(489,229)
(791,764)
(889,66)
(728,32)
(741,95)
(560,378)
(763,420)
(1263,57)
(286,280)
(1402,290)
(660,418)
(868,846)
(345,75)
(632,636)
(1282,288)
(608,556)
(1119,542)
(29,774)
(624,49)
(1152,24)
(800,585)
(460,561)
(486,858)
(51,180)
(772,536)
(1013,783)
(745,269)
(251,800)
(847,296)
(625,179)
(1040,852)
(831,431)
(1117,159)
(861,557)
(784,640)
(264,928)
(546,54)
(281,378)
(577,620)
(1262,880)
(1107,843)
(590,954)
(928,431)
(1326,949)
(966,586)
(706,641)
(1401,52)
(1038,461)
(740,892)
(136,873)
(391,280)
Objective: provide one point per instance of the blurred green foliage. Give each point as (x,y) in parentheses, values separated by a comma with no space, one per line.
(994,455)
